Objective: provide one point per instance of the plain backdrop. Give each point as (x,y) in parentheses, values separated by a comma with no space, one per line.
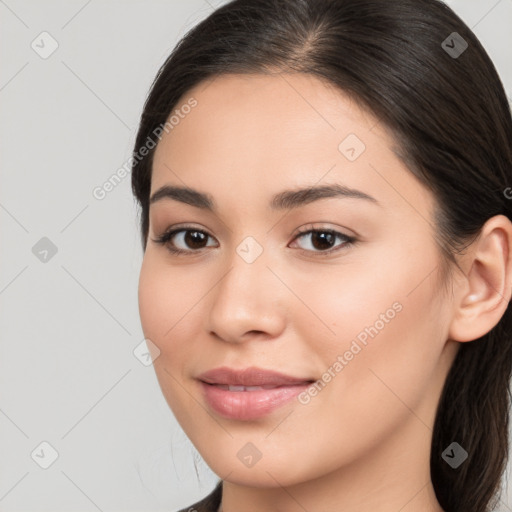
(74,396)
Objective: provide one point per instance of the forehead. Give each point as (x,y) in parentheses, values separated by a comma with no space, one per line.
(265,112)
(263,133)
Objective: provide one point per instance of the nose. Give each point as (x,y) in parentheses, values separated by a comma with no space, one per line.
(248,302)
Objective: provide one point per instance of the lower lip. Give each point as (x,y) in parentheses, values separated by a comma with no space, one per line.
(249,405)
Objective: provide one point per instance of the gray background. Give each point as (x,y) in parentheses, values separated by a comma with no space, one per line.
(69,324)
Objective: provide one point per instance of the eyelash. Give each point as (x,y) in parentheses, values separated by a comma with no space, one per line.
(166,237)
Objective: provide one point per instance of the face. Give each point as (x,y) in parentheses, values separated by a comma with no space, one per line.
(337,290)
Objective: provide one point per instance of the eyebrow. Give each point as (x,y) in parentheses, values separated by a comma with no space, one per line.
(286,199)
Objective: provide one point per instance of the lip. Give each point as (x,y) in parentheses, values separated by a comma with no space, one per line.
(251,376)
(278,389)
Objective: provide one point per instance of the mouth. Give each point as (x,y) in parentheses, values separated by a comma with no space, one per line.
(249,394)
(228,387)
(251,377)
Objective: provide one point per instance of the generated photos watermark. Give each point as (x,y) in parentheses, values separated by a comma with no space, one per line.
(343,360)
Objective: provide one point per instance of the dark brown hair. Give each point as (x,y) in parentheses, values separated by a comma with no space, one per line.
(452,123)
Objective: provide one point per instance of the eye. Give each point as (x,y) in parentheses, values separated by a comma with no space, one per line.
(190,240)
(184,240)
(323,240)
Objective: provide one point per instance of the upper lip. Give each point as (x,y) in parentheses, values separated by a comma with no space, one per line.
(252,376)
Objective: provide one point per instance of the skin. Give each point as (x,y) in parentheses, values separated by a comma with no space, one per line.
(364,440)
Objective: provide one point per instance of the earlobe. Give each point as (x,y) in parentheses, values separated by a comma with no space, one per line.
(484,292)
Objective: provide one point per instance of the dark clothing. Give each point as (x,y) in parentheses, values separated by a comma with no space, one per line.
(210,503)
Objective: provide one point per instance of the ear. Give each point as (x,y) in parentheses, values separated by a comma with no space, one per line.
(484,292)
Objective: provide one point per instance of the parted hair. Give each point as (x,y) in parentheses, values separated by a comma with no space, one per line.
(417,67)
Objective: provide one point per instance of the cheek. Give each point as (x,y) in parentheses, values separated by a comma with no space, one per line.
(384,327)
(163,302)
(152,299)
(376,332)
(166,314)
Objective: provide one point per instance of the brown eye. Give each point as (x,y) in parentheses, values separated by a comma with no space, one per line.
(323,240)
(184,240)
(195,239)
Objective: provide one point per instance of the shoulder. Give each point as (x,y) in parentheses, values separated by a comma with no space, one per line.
(210,503)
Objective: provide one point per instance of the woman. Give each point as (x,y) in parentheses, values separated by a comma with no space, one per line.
(328,255)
